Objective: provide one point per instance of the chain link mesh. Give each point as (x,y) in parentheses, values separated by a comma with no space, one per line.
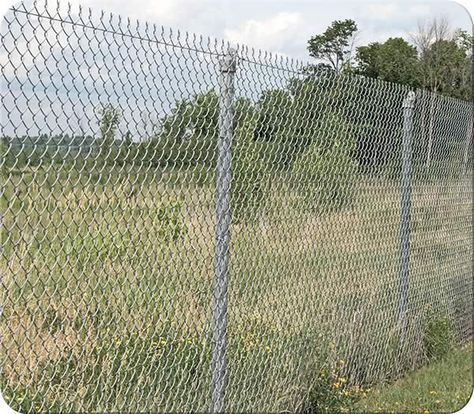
(110,135)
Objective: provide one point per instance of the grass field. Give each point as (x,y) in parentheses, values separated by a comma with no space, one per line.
(108,291)
(443,386)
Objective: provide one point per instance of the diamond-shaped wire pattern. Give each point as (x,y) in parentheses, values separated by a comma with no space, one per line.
(115,256)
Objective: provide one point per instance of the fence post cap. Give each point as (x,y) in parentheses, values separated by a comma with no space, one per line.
(228,62)
(409,101)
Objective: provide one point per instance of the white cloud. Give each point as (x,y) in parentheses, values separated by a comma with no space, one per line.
(382,11)
(396,12)
(276,33)
(282,26)
(201,17)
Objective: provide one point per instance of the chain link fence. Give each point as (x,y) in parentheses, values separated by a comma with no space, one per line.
(190,227)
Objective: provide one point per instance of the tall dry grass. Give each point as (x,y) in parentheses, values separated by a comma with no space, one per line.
(108,291)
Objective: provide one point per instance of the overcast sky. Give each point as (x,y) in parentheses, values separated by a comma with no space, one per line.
(284,26)
(69,63)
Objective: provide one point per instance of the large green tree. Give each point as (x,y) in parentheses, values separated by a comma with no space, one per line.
(445,57)
(333,48)
(446,68)
(395,60)
(443,67)
(188,135)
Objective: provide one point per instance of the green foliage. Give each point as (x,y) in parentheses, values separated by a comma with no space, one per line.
(193,119)
(333,47)
(248,173)
(110,150)
(22,400)
(464,41)
(190,355)
(114,365)
(88,243)
(274,107)
(168,150)
(393,61)
(109,121)
(442,386)
(188,136)
(439,336)
(282,122)
(324,174)
(444,65)
(330,392)
(170,219)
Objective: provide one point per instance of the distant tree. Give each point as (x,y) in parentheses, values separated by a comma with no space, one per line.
(443,65)
(445,58)
(248,171)
(429,32)
(395,60)
(273,108)
(127,138)
(324,173)
(294,124)
(334,47)
(198,117)
(108,122)
(446,68)
(465,42)
(188,135)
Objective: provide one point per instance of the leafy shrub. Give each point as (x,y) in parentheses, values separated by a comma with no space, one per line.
(169,217)
(324,173)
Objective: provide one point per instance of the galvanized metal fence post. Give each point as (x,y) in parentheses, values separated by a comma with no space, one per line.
(227,67)
(405,226)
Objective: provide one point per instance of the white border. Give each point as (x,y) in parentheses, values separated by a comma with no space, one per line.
(468,5)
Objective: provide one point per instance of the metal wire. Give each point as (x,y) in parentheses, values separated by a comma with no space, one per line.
(181,236)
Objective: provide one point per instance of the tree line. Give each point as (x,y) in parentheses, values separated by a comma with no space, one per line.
(435,57)
(319,130)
